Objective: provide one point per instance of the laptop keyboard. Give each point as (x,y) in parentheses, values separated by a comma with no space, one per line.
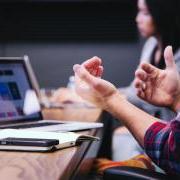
(33,125)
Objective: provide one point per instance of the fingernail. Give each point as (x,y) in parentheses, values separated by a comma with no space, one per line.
(76,67)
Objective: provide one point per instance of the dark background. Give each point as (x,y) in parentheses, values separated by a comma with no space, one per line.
(57,34)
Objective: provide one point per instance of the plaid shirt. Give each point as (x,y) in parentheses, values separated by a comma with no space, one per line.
(162,145)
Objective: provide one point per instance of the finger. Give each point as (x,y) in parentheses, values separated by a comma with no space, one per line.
(97,72)
(148,90)
(141,74)
(169,58)
(100,71)
(137,83)
(84,75)
(93,71)
(140,93)
(92,63)
(76,67)
(90,70)
(142,89)
(148,68)
(140,84)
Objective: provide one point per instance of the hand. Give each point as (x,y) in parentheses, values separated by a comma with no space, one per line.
(90,86)
(159,87)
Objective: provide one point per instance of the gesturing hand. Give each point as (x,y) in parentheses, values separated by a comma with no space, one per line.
(159,87)
(90,86)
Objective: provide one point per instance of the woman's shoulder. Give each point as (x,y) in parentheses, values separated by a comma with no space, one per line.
(150,42)
(177,55)
(148,49)
(177,59)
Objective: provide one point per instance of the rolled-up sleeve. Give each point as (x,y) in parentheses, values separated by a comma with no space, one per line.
(162,145)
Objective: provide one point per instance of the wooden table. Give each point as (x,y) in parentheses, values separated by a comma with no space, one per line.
(68,163)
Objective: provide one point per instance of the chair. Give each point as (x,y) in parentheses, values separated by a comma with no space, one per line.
(129,173)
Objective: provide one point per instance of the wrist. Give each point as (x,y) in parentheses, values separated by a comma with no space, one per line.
(113,100)
(176,104)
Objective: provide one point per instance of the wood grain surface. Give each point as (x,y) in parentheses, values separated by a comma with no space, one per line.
(61,164)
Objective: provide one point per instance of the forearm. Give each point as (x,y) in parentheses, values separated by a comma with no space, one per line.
(176,104)
(136,120)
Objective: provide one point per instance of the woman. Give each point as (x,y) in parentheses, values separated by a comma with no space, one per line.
(159,22)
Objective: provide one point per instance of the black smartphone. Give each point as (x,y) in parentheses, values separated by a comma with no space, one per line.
(28,142)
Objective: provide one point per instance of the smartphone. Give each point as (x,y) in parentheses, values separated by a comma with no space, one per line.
(12,141)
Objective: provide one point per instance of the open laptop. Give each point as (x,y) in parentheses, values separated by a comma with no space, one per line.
(16,78)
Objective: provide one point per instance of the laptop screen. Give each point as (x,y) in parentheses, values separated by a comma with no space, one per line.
(14,83)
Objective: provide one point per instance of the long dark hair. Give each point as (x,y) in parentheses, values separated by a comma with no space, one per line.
(166,17)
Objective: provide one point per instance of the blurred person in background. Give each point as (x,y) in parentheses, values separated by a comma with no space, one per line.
(159,22)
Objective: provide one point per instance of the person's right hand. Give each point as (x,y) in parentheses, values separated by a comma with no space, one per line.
(159,87)
(90,86)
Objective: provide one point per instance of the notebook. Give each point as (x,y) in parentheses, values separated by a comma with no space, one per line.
(27,140)
(16,79)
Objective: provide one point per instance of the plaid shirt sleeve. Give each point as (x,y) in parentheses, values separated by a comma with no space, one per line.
(162,145)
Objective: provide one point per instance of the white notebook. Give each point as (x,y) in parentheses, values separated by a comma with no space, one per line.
(12,139)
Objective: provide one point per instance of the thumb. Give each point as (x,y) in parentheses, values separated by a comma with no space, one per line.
(84,75)
(169,58)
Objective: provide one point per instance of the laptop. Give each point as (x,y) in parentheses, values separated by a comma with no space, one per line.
(17,78)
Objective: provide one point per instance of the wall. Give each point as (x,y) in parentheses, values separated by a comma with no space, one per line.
(56,36)
(53,63)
